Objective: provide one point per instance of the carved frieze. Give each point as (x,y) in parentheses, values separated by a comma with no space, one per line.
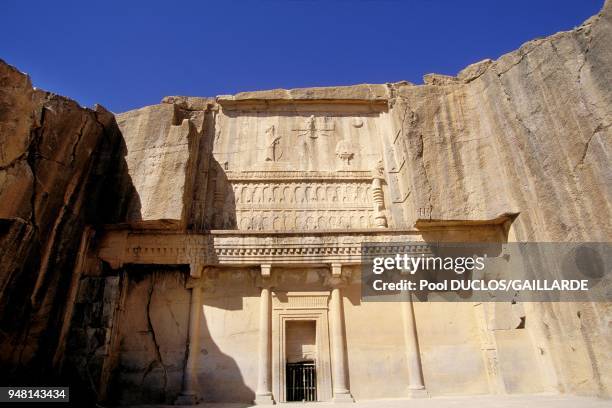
(286,195)
(303,205)
(254,248)
(296,200)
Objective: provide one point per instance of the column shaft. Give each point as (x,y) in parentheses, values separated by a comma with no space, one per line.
(340,388)
(264,393)
(413,355)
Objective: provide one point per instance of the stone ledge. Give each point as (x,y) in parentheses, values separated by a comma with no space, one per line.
(423,223)
(362,93)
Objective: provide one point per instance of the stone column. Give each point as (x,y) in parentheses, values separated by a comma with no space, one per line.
(416,386)
(339,371)
(263,395)
(189,395)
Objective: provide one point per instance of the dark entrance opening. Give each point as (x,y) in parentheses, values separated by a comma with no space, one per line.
(301,381)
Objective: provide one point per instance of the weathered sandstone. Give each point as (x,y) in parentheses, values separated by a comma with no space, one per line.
(115,231)
(57,162)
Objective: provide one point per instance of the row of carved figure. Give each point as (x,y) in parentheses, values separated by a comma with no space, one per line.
(305,220)
(351,193)
(248,219)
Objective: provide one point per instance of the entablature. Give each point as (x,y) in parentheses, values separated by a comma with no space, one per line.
(289,248)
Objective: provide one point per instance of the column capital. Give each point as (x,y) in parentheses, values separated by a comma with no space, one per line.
(337,282)
(336,269)
(204,281)
(266,270)
(264,277)
(194,282)
(195,269)
(337,279)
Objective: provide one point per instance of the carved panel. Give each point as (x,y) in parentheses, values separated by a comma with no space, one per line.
(295,200)
(299,171)
(283,205)
(301,195)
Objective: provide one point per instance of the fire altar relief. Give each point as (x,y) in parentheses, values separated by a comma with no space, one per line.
(302,172)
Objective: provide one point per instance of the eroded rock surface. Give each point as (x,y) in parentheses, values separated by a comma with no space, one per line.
(56,160)
(527,135)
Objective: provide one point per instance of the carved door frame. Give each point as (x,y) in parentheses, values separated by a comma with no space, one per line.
(301,306)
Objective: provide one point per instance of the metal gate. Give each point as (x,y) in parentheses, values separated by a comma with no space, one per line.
(301,381)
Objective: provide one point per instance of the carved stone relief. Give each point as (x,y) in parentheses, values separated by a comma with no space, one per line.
(345,151)
(273,152)
(310,205)
(304,171)
(308,133)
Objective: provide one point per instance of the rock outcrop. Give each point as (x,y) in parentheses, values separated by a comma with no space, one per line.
(163,148)
(527,135)
(57,162)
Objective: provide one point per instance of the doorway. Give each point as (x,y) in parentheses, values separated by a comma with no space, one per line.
(300,334)
(301,357)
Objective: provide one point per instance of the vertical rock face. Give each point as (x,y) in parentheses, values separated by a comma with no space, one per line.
(528,134)
(153,331)
(162,150)
(55,159)
(17,119)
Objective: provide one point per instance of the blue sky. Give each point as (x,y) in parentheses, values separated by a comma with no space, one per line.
(127,54)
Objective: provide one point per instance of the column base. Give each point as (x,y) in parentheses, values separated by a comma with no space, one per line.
(418,393)
(264,399)
(343,397)
(186,399)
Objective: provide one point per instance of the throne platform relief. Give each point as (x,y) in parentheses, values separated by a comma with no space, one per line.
(305,171)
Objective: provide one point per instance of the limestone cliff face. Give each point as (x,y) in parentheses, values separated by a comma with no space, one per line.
(55,160)
(162,148)
(528,134)
(165,149)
